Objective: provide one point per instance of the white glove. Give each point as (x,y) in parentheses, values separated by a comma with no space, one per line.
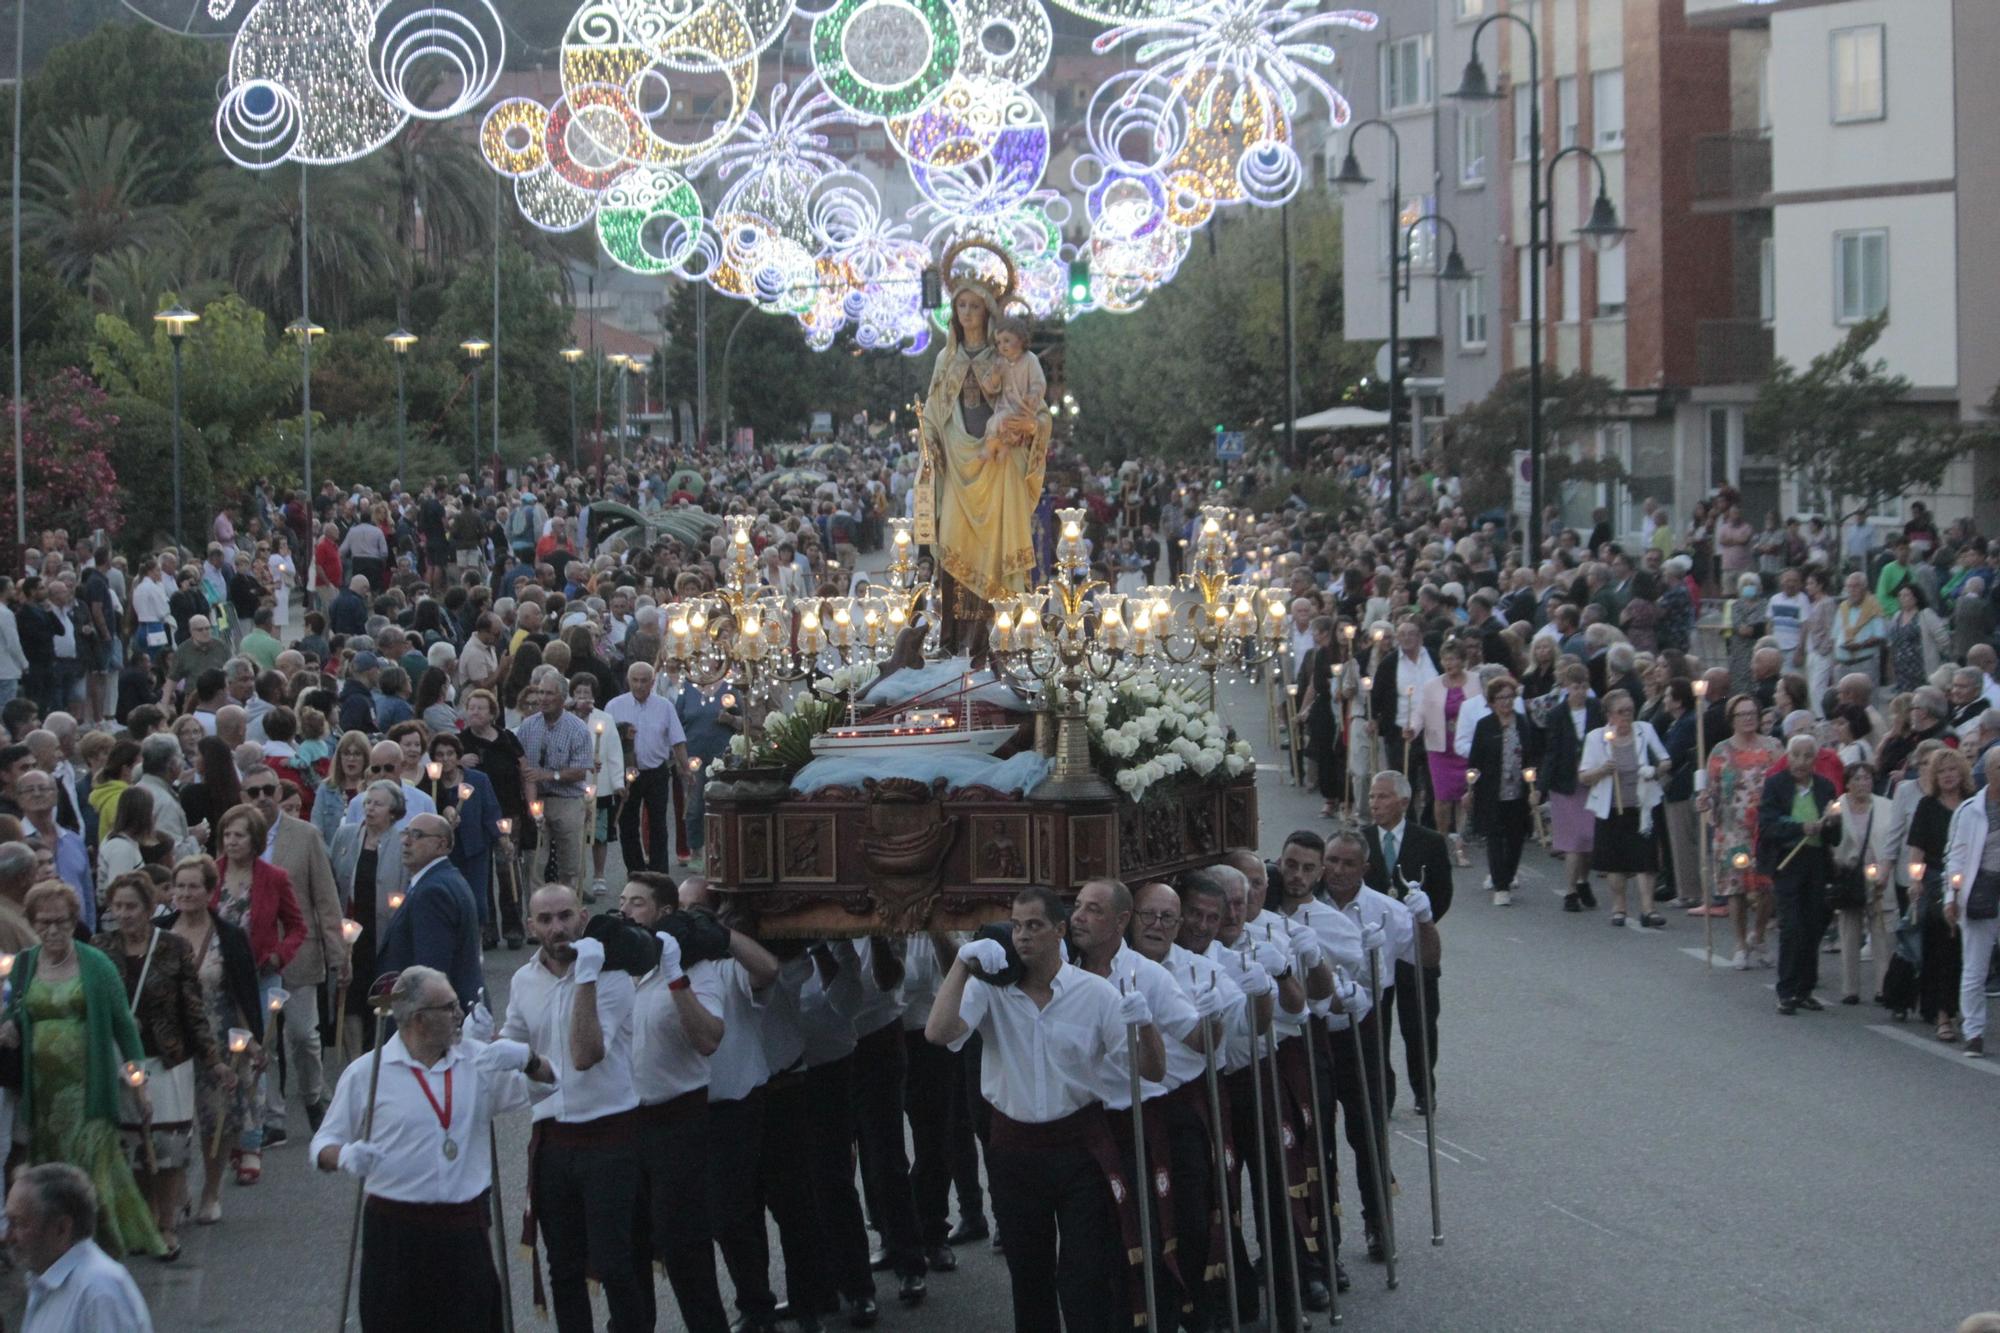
(1305,944)
(670,958)
(1132,1008)
(589,961)
(1272,959)
(1345,992)
(1255,981)
(984,956)
(1646,772)
(506,1057)
(359,1158)
(479,1023)
(1419,904)
(1210,1001)
(1373,937)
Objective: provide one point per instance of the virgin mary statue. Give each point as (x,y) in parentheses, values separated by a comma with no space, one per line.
(977,513)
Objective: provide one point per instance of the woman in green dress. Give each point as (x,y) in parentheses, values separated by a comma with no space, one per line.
(68,1014)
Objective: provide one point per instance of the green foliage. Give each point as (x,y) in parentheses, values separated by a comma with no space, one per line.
(55,319)
(1207,348)
(94,191)
(247,233)
(1480,441)
(68,480)
(237,374)
(534,328)
(142,451)
(1843,427)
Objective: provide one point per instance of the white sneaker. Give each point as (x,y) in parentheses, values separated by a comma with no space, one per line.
(1502,898)
(598,888)
(1741,962)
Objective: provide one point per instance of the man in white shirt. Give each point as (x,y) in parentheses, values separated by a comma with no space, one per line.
(426,1261)
(77,1287)
(13,662)
(1788,608)
(1055,1051)
(659,750)
(583,1161)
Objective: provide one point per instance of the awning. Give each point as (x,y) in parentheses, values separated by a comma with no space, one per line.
(1343,418)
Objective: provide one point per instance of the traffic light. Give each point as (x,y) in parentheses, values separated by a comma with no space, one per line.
(1079,281)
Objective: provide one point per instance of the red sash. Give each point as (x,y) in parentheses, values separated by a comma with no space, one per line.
(1301,1172)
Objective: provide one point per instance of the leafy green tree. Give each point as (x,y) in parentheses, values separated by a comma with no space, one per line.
(142,452)
(55,318)
(1845,428)
(250,236)
(1480,441)
(236,375)
(68,480)
(94,192)
(534,324)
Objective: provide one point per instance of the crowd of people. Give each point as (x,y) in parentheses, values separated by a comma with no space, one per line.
(258,799)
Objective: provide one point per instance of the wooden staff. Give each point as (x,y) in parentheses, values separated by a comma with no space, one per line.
(1705,868)
(1832,809)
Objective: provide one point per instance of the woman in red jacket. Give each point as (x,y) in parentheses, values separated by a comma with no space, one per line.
(257,897)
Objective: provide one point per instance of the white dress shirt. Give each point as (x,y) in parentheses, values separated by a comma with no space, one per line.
(1270,928)
(1411,677)
(921,978)
(827,1009)
(1232,965)
(1340,943)
(738,1068)
(665,1064)
(656,727)
(784,1040)
(1371,908)
(86,1291)
(1193,974)
(1173,1015)
(1041,1064)
(484,1080)
(879,1007)
(539,1004)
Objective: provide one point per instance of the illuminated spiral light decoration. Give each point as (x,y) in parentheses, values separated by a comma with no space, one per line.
(432,36)
(649,219)
(257,124)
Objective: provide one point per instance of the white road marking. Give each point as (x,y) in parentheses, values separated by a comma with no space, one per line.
(1420,1143)
(1932,1046)
(1459,1147)
(1576,1217)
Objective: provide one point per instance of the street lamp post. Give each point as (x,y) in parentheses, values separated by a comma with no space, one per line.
(305,331)
(475,349)
(1350,176)
(572,355)
(619,363)
(641,367)
(400,342)
(177,322)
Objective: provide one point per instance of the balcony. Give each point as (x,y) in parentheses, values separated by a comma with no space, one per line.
(1732,171)
(1732,351)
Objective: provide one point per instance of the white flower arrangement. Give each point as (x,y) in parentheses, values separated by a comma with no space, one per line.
(1145,732)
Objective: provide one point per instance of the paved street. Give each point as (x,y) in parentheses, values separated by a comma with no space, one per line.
(1624,1140)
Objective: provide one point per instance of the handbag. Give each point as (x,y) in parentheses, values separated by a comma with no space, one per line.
(1848,890)
(171,1089)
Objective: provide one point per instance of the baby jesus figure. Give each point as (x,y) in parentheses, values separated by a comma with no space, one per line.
(1015,384)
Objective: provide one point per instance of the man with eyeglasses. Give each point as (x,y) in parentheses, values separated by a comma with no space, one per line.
(385,764)
(558,758)
(36,791)
(426,1261)
(296,848)
(438,923)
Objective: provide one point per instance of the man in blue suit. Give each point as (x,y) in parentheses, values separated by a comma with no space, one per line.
(475,818)
(438,923)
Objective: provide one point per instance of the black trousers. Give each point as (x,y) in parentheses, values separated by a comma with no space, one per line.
(651,794)
(1405,1015)
(736,1199)
(674,1224)
(1192,1170)
(1352,1079)
(830,1169)
(586,1200)
(878,1125)
(784,1162)
(420,1278)
(943,1152)
(1281,1247)
(1505,841)
(1801,911)
(1054,1207)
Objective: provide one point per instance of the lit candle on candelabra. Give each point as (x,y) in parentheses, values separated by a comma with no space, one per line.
(811,637)
(1003,629)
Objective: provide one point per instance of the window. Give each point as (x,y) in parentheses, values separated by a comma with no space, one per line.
(1471,9)
(1524,101)
(1860,275)
(1421,243)
(1471,148)
(1611,282)
(1406,73)
(1566,110)
(1607,107)
(1572,279)
(1767,281)
(1524,280)
(1472,313)
(1857,73)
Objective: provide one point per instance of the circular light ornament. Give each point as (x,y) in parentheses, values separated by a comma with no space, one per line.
(511,136)
(1127,204)
(257,124)
(956,128)
(649,220)
(592,136)
(886,58)
(552,203)
(430,40)
(1269,173)
(1008,40)
(320,53)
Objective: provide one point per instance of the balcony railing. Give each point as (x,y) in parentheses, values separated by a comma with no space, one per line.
(1733,168)
(1732,351)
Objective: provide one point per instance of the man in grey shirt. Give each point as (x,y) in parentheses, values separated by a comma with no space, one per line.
(557,761)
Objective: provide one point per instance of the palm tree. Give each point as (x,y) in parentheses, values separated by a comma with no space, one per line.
(250,235)
(94,192)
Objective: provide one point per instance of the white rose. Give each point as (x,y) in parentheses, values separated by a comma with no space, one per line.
(1195,729)
(1128,780)
(1205,762)
(1235,765)
(1241,748)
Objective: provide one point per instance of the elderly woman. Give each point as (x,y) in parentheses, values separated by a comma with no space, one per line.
(1736,769)
(1620,765)
(1436,714)
(346,775)
(1505,749)
(1566,719)
(224,1098)
(1863,864)
(1745,617)
(164,992)
(70,1017)
(1946,781)
(1798,820)
(368,867)
(1918,640)
(256,897)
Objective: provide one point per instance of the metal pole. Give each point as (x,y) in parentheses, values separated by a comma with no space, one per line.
(1326,1213)
(1291,348)
(1385,1180)
(1369,1133)
(1263,1191)
(176,341)
(1284,1209)
(728,346)
(701,362)
(624,410)
(572,418)
(1430,1097)
(20,408)
(475,424)
(1395,326)
(402,422)
(305,316)
(496,316)
(1142,1187)
(1534,552)
(381,1006)
(1219,1152)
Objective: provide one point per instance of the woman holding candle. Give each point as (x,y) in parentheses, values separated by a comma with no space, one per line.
(411,738)
(228,977)
(1735,784)
(257,897)
(346,775)
(1861,872)
(1506,748)
(1566,719)
(164,994)
(1438,703)
(69,1016)
(1315,705)
(1946,781)
(497,753)
(1620,765)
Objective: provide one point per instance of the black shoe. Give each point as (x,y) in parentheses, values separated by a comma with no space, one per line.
(1589,898)
(1420,1108)
(862,1312)
(1811,1004)
(1787,1008)
(1572,902)
(315,1114)
(878,1260)
(1316,1297)
(998,1248)
(274,1136)
(941,1259)
(1377,1252)
(1850,999)
(913,1289)
(489,939)
(809,1323)
(969,1229)
(1340,1278)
